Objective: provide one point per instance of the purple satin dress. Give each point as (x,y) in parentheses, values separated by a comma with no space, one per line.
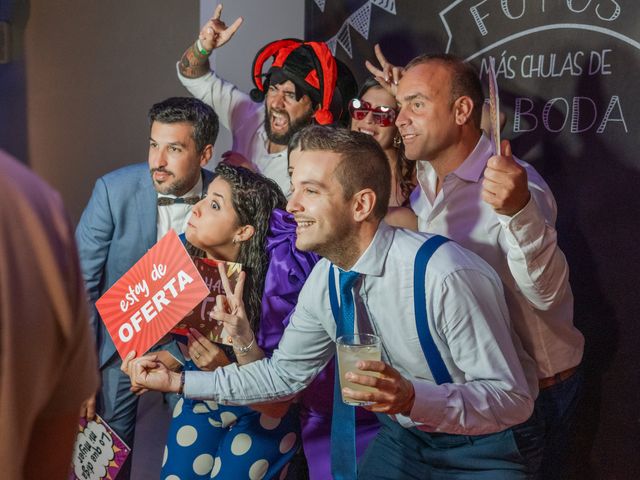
(288,270)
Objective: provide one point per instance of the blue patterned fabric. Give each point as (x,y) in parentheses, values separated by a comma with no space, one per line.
(208,440)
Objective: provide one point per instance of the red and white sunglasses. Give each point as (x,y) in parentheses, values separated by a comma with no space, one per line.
(382,115)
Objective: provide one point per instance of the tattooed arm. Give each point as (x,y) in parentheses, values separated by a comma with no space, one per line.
(215,33)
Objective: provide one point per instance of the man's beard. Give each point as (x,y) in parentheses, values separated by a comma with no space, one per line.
(298,124)
(179,187)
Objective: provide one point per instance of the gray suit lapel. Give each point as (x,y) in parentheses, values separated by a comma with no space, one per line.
(146,202)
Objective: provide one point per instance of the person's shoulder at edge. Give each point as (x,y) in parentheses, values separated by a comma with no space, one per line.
(17,177)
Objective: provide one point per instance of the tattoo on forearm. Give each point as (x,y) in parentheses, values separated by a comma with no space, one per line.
(192,64)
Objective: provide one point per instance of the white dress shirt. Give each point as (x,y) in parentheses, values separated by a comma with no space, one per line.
(176,216)
(523,250)
(468,320)
(244,118)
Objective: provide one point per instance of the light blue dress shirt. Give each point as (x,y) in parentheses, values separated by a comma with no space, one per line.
(468,319)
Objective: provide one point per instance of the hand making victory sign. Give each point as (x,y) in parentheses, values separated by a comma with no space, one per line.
(387,75)
(505,185)
(215,32)
(230,310)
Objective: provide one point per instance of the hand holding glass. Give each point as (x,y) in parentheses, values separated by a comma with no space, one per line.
(351,349)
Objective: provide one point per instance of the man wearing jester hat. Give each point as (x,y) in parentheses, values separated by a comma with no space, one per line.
(304,84)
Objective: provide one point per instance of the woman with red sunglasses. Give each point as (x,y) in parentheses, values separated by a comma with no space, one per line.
(374,112)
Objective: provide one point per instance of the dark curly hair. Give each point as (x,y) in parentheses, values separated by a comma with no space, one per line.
(254,197)
(405,169)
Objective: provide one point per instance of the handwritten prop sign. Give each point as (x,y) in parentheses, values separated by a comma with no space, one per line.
(99,452)
(199,317)
(147,302)
(494,107)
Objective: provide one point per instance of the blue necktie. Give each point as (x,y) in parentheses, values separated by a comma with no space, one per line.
(343,423)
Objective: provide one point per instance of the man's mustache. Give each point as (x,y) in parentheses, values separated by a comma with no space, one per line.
(162,170)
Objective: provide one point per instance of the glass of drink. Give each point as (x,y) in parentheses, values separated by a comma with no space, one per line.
(351,349)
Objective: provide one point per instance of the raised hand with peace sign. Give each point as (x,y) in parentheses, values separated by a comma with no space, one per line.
(388,75)
(230,310)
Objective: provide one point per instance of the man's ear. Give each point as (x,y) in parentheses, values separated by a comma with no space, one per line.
(463,107)
(244,233)
(364,203)
(206,155)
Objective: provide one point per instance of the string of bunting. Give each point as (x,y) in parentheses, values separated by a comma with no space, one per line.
(360,20)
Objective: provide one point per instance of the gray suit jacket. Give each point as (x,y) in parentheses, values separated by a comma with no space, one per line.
(116,229)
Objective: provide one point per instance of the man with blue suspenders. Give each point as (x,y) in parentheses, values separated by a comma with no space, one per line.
(453,381)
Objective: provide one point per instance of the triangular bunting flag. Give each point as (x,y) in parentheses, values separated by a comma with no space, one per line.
(344,39)
(361,20)
(320,4)
(388,5)
(331,43)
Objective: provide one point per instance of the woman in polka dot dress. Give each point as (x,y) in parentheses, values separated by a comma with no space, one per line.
(206,439)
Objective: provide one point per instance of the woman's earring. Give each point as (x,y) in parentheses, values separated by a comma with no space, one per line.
(397,140)
(234,241)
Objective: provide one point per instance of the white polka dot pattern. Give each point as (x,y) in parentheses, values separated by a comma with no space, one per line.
(200,408)
(258,470)
(215,423)
(287,442)
(186,436)
(227,418)
(165,455)
(202,464)
(269,423)
(172,477)
(241,444)
(217,466)
(177,410)
(211,404)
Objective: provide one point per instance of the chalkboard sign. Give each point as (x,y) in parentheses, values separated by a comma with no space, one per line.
(568,74)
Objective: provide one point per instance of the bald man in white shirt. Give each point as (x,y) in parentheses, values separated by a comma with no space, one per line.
(500,208)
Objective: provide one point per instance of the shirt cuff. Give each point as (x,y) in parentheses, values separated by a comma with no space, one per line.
(198,385)
(428,409)
(525,227)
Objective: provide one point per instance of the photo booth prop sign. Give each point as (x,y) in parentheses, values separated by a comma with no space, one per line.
(98,453)
(148,301)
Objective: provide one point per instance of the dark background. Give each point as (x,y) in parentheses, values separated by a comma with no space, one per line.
(578,125)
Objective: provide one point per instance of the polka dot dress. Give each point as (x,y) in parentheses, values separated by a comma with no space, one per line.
(208,440)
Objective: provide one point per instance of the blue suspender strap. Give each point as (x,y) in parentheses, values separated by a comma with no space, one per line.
(431,353)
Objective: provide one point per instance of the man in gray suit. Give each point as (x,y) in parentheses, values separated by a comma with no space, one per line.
(129,211)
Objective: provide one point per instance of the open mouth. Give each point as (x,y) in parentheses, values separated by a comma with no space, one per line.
(279,121)
(303,225)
